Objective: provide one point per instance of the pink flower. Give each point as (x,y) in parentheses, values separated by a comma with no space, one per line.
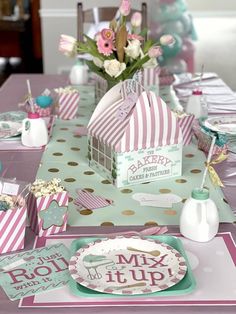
(155,52)
(67,45)
(107,34)
(167,40)
(125,7)
(105,47)
(135,36)
(136,19)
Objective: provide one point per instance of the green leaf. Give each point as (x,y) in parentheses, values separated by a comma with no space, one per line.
(148,44)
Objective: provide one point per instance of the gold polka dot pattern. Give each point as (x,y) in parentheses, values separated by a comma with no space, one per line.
(128,212)
(106,182)
(72,163)
(53,170)
(89,190)
(88,173)
(170,212)
(70,180)
(196,171)
(107,224)
(164,191)
(151,223)
(180,181)
(189,155)
(126,191)
(86,212)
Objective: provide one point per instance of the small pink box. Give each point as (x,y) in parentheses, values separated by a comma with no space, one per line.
(48,214)
(12,229)
(43,112)
(68,105)
(185,124)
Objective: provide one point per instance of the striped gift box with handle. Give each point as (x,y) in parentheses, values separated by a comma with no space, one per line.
(37,205)
(68,105)
(12,229)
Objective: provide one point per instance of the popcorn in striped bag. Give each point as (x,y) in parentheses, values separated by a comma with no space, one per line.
(48,207)
(12,223)
(68,102)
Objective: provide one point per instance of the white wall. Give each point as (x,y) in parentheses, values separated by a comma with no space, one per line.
(59,16)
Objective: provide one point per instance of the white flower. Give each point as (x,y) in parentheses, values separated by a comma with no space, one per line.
(97,62)
(133,49)
(113,67)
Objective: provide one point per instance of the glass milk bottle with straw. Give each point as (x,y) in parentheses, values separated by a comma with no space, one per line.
(199,219)
(34,128)
(197,103)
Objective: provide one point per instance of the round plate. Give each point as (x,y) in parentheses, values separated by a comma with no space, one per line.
(127,265)
(223,124)
(9,129)
(13,116)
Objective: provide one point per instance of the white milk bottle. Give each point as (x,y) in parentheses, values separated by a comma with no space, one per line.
(197,105)
(199,219)
(34,131)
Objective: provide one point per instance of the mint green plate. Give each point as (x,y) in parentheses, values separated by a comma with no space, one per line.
(185,286)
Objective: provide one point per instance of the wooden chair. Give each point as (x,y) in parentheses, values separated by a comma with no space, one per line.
(96,15)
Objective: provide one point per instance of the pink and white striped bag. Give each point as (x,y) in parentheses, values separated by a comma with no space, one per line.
(12,229)
(186,125)
(68,105)
(37,206)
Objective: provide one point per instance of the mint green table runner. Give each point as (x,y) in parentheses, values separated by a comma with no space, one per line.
(65,158)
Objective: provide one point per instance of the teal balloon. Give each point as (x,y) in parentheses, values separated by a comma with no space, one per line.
(170,12)
(176,27)
(173,50)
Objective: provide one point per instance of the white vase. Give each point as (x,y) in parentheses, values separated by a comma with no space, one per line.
(79,74)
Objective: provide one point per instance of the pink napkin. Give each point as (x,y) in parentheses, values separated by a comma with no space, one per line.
(91,201)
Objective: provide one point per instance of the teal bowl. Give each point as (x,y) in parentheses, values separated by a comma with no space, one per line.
(44,101)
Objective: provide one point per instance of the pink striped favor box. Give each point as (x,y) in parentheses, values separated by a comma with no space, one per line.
(12,229)
(186,125)
(68,103)
(48,214)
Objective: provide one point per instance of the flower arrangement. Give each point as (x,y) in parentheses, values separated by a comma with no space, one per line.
(117,52)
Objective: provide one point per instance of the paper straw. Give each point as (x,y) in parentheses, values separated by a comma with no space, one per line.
(208,160)
(30,96)
(201,75)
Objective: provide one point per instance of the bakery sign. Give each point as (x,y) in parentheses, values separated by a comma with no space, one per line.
(149,168)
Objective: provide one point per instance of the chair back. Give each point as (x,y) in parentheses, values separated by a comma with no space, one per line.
(96,15)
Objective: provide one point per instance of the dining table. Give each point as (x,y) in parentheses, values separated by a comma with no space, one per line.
(64,157)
